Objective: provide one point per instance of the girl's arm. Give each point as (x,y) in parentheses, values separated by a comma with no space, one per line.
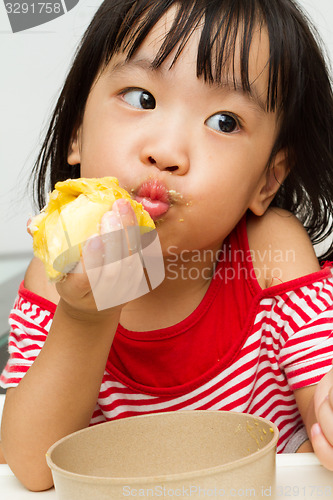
(281,232)
(59,392)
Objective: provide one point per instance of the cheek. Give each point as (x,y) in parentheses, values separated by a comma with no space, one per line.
(101,151)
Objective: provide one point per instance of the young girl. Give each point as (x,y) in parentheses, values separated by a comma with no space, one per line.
(218,115)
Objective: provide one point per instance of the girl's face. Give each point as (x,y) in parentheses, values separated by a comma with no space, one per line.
(196,153)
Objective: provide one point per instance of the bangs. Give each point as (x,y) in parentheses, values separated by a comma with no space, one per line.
(226,26)
(298,86)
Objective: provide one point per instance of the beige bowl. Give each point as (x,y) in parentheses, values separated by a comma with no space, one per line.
(192,454)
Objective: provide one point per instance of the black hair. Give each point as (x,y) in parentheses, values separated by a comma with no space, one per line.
(299,87)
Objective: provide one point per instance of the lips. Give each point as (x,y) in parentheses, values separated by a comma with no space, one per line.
(154,197)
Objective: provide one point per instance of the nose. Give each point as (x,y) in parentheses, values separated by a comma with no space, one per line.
(167,151)
(161,166)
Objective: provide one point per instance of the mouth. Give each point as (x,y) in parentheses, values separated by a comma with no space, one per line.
(154,197)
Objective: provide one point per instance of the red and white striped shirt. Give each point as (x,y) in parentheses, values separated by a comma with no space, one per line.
(243,349)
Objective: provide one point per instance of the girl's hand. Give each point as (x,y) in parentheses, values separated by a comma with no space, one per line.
(322,431)
(110,271)
(28,224)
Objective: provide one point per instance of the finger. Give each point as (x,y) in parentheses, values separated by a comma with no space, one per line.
(322,390)
(322,447)
(28,226)
(107,290)
(93,258)
(77,281)
(330,397)
(112,233)
(125,211)
(325,418)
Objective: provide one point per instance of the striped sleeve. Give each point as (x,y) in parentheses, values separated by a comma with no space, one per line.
(307,351)
(29,325)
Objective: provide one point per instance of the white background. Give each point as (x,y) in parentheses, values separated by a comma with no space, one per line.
(33,65)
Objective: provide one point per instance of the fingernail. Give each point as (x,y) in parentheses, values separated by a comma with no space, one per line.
(123,207)
(316,430)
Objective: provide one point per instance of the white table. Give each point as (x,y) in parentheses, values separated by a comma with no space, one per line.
(11,488)
(299,477)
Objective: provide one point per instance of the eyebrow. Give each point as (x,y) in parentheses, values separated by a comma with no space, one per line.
(143,64)
(233,86)
(237,87)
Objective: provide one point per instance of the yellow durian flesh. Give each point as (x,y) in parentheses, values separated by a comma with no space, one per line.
(72,215)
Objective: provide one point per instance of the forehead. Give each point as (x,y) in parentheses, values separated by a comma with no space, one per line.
(230,58)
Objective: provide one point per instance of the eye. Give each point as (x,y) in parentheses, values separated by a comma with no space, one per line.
(138,98)
(223,122)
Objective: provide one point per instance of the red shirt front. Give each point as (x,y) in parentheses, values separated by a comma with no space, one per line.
(243,348)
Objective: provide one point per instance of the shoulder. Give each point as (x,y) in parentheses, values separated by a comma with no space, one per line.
(36,281)
(281,247)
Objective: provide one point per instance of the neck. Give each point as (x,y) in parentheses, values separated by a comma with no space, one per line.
(189,270)
(187,278)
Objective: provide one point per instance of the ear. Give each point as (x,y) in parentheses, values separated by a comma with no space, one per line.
(270,182)
(74,150)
